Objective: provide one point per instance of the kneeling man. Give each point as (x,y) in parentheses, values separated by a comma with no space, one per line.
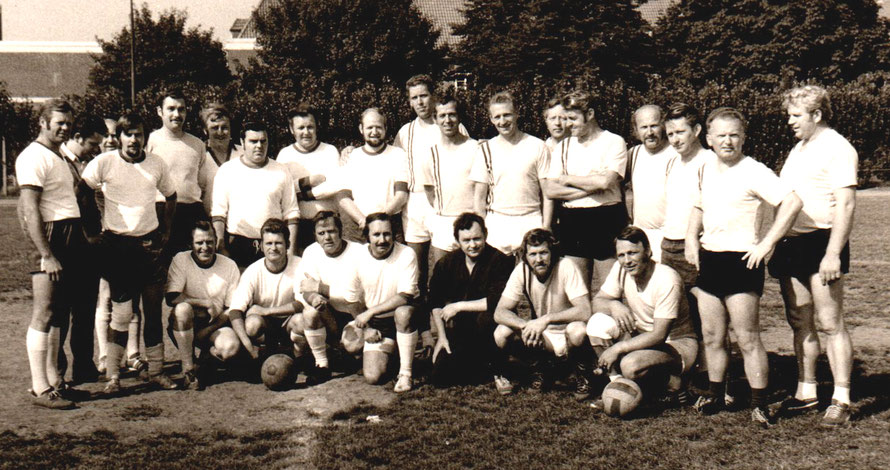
(641,326)
(560,307)
(200,284)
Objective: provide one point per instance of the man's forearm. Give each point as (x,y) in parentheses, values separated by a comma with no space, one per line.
(31,220)
(842,223)
(389,305)
(785,215)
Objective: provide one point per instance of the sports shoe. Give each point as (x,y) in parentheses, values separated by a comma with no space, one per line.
(191,382)
(403,383)
(793,407)
(112,387)
(70,393)
(679,398)
(541,380)
(136,364)
(761,416)
(598,405)
(318,375)
(503,385)
(52,399)
(708,405)
(838,414)
(582,386)
(164,381)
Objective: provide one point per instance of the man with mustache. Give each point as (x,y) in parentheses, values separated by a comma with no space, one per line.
(133,241)
(646,173)
(247,192)
(641,327)
(560,307)
(723,242)
(200,285)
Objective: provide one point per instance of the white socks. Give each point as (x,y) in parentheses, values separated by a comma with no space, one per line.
(841,394)
(185,341)
(317,340)
(407,342)
(805,391)
(36,343)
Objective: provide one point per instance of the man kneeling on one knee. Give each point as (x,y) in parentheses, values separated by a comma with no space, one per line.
(641,327)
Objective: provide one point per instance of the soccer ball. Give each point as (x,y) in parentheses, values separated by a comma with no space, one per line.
(353,338)
(621,397)
(278,372)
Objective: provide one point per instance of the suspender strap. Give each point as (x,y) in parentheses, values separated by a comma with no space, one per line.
(437,177)
(411,156)
(486,154)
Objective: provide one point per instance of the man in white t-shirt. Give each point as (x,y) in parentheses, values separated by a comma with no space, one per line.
(385,281)
(375,179)
(641,327)
(446,171)
(811,261)
(132,242)
(312,165)
(247,192)
(646,174)
(220,147)
(560,308)
(264,298)
(585,176)
(508,172)
(184,155)
(200,284)
(724,242)
(554,119)
(50,217)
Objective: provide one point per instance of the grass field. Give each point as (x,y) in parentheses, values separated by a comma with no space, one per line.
(242,425)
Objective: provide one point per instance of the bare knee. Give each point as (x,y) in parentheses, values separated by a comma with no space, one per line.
(502,335)
(254,325)
(403,316)
(183,313)
(227,346)
(312,318)
(831,324)
(576,333)
(800,317)
(749,341)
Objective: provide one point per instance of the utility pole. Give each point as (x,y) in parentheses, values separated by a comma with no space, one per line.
(132,57)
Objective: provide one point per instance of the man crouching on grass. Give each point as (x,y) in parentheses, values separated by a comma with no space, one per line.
(641,327)
(200,284)
(560,307)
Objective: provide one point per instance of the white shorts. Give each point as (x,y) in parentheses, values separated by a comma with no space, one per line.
(386,346)
(556,336)
(505,232)
(442,231)
(604,327)
(655,236)
(414,217)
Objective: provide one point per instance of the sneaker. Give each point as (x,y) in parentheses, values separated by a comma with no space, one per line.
(679,398)
(52,399)
(136,364)
(598,405)
(70,393)
(503,385)
(582,387)
(838,414)
(541,380)
(191,382)
(403,383)
(112,387)
(318,375)
(793,407)
(708,405)
(761,416)
(164,381)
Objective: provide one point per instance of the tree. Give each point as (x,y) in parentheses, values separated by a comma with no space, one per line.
(167,55)
(340,56)
(772,41)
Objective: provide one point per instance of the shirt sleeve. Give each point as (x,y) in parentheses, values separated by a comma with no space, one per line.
(242,298)
(844,167)
(220,199)
(616,157)
(612,285)
(401,167)
(668,290)
(479,171)
(426,168)
(91,175)
(555,168)
(768,186)
(206,171)
(543,162)
(574,282)
(408,282)
(399,140)
(232,279)
(30,171)
(513,288)
(165,182)
(289,208)
(176,276)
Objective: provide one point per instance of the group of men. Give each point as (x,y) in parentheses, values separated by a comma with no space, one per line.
(523,234)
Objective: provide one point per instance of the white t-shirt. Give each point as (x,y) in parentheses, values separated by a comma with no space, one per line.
(324,160)
(516,172)
(259,286)
(43,169)
(606,152)
(374,281)
(447,170)
(415,138)
(216,282)
(827,163)
(554,295)
(681,190)
(731,202)
(129,190)
(372,178)
(185,158)
(663,297)
(246,197)
(648,179)
(551,144)
(334,272)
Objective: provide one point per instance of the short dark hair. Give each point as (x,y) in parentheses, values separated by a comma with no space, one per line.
(634,235)
(129,120)
(550,104)
(255,126)
(538,237)
(466,220)
(204,226)
(503,97)
(683,111)
(325,215)
(213,111)
(448,96)
(173,93)
(375,217)
(274,225)
(302,110)
(58,105)
(420,79)
(727,113)
(89,124)
(578,100)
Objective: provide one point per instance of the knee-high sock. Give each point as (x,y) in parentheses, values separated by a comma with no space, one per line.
(52,357)
(103,318)
(121,313)
(155,356)
(317,340)
(185,340)
(35,342)
(407,342)
(133,338)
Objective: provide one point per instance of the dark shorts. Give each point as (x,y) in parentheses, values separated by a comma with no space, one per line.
(242,250)
(590,232)
(183,222)
(386,326)
(673,255)
(67,244)
(131,263)
(800,256)
(724,273)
